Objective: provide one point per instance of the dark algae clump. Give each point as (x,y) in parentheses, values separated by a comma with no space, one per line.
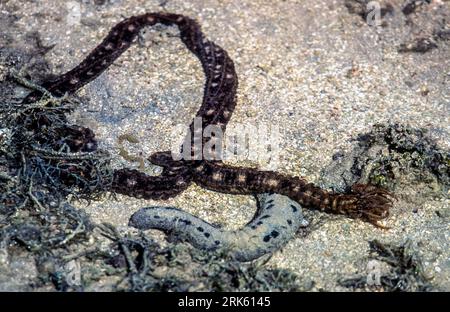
(405,269)
(394,156)
(409,151)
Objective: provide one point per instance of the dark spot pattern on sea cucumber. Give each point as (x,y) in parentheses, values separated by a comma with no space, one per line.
(254,240)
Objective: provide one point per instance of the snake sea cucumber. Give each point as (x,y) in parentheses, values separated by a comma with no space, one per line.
(276,221)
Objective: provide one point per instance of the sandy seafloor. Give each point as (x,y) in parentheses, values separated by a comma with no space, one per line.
(313,68)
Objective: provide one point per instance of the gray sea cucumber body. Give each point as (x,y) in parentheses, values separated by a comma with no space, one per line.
(276,221)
